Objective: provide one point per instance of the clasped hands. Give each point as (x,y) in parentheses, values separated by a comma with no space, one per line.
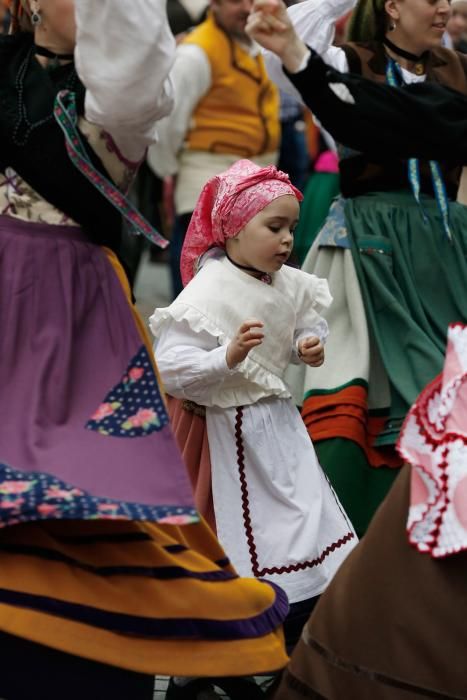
(250,335)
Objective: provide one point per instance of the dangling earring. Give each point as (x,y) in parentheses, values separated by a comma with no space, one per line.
(36,17)
(392,26)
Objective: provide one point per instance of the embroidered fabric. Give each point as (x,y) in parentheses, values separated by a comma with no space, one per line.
(334,232)
(20,200)
(66,116)
(227,203)
(434,441)
(394,77)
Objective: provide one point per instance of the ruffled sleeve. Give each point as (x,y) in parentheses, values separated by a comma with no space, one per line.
(314,300)
(190,363)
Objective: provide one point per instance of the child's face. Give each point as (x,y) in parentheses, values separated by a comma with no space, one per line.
(265,243)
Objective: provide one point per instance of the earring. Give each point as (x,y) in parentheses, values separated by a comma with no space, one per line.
(36,17)
(392,26)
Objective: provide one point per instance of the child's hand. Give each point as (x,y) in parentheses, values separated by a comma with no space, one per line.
(246,339)
(311,351)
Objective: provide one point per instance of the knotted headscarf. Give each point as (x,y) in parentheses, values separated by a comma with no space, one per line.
(226,204)
(367,21)
(434,441)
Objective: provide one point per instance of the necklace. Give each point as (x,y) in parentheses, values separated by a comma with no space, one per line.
(42,51)
(263,276)
(24,127)
(417,60)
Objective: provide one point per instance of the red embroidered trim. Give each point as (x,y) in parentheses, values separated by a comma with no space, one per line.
(113,148)
(300,566)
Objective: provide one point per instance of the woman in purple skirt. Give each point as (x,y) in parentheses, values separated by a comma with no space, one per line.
(97,581)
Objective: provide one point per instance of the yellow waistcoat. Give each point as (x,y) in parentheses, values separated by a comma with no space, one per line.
(240,113)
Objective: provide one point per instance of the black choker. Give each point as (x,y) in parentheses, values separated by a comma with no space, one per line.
(404,54)
(42,51)
(263,276)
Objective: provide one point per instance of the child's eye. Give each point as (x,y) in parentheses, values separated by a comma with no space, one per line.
(274,229)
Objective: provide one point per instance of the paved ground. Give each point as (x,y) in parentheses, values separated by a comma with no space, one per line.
(161,686)
(152,286)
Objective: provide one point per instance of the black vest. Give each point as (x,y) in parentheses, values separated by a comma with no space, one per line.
(358,173)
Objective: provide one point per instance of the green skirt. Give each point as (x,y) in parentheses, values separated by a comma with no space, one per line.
(410,285)
(413,282)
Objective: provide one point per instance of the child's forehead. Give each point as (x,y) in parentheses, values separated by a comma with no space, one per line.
(286,206)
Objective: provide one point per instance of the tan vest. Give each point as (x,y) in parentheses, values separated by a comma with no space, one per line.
(240,113)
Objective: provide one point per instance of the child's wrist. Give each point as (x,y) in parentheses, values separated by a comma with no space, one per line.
(230,360)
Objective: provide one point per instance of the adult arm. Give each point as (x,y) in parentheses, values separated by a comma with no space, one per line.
(306,23)
(423,120)
(124,52)
(191,77)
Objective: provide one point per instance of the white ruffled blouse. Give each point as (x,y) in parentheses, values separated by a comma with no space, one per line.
(193,333)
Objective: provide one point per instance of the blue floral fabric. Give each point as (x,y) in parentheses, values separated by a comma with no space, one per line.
(29,496)
(134,407)
(334,232)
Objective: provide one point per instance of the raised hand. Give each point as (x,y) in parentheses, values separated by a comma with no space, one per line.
(246,339)
(270,26)
(311,351)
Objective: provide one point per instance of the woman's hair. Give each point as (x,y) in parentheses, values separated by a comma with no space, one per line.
(368,21)
(19,11)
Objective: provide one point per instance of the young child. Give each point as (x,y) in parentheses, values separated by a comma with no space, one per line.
(225,344)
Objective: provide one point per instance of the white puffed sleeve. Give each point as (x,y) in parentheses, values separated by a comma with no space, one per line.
(124,52)
(314,22)
(190,363)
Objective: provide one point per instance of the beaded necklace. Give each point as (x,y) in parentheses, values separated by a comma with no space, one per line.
(24,127)
(395,79)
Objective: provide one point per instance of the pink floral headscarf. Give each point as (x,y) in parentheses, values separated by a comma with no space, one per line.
(434,441)
(226,204)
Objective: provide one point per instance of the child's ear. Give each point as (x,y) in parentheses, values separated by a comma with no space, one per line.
(239,236)
(232,242)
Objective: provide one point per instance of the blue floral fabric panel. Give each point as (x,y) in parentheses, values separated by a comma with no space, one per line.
(334,232)
(134,407)
(29,496)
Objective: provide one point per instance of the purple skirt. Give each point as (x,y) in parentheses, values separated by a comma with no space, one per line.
(84,432)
